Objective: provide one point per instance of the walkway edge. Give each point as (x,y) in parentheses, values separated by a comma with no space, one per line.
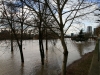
(94,68)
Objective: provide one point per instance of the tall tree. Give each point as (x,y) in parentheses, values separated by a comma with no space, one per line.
(58,9)
(10,7)
(9,17)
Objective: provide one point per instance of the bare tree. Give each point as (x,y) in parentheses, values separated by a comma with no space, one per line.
(9,17)
(11,11)
(57,9)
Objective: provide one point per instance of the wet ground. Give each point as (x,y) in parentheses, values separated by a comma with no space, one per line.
(10,63)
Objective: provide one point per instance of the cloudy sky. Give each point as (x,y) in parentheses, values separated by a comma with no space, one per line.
(83,22)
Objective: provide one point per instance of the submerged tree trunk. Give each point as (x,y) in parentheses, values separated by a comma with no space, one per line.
(65,55)
(46,41)
(11,41)
(42,52)
(41,46)
(21,53)
(19,44)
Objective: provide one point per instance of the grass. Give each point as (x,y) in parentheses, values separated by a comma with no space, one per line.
(81,66)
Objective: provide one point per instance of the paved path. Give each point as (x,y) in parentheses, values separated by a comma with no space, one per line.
(95,65)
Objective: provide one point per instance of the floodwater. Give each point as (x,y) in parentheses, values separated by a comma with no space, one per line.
(10,63)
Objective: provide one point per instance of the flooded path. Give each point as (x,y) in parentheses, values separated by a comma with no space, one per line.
(10,63)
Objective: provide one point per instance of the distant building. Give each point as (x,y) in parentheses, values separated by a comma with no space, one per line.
(89,30)
(94,32)
(72,34)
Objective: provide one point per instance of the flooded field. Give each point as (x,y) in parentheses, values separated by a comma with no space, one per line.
(10,63)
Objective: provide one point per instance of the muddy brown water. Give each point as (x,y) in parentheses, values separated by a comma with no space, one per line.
(10,63)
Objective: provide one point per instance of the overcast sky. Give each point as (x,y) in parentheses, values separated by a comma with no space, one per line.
(88,20)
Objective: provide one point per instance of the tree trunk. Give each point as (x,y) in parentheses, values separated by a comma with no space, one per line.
(65,55)
(21,53)
(46,41)
(41,46)
(11,41)
(41,51)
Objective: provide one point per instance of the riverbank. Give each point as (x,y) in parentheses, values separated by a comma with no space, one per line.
(81,66)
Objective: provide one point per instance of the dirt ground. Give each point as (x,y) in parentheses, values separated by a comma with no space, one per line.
(81,66)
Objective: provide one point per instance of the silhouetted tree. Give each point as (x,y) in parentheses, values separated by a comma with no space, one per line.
(56,8)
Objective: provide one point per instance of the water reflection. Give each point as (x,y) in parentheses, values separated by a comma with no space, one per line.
(10,63)
(80,48)
(46,55)
(85,47)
